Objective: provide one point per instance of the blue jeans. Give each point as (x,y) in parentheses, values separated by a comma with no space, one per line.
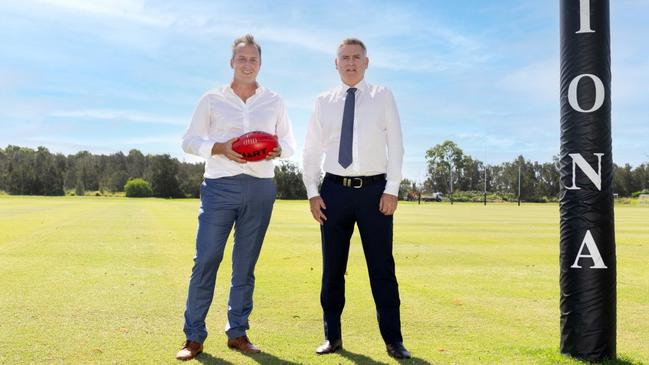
(247,203)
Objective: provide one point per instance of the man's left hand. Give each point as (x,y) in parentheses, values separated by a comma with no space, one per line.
(388,204)
(276,152)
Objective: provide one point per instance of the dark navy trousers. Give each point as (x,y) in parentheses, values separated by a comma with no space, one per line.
(345,207)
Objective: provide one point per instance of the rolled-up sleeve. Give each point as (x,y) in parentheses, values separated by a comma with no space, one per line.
(196,140)
(312,154)
(395,146)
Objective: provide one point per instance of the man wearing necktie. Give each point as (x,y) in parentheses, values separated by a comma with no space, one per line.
(356,127)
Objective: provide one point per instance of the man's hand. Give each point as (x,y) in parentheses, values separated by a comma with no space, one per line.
(317,204)
(226,150)
(274,153)
(388,204)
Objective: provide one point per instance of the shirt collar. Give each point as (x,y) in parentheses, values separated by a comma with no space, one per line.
(260,89)
(361,86)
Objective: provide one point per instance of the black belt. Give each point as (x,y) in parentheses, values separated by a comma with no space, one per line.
(356,182)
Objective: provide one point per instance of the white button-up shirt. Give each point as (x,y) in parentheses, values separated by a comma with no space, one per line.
(221,115)
(377,146)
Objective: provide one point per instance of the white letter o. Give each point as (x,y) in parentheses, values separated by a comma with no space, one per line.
(599,93)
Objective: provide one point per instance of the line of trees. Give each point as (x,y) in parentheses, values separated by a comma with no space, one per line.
(448,166)
(25,171)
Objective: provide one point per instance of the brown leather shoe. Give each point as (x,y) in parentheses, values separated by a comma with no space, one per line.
(243,344)
(189,351)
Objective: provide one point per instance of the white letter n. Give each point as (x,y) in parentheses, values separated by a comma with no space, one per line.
(595,177)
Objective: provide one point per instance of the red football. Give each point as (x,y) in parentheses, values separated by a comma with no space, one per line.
(255,146)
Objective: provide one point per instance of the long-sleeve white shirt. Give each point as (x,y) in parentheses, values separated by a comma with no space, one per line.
(377,146)
(221,115)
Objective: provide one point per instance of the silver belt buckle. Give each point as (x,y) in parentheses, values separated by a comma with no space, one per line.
(360,185)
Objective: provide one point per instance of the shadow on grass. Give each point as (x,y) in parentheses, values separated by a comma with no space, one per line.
(555,356)
(365,360)
(617,361)
(359,359)
(205,358)
(266,358)
(416,360)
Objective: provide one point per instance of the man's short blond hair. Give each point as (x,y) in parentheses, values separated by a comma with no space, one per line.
(353,41)
(246,40)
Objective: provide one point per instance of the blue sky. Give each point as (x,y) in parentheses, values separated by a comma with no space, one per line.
(106,76)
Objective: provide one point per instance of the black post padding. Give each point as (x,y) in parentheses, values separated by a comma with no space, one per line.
(588,284)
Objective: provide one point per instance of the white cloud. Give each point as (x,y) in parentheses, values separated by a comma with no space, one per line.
(129,10)
(303,32)
(155,139)
(538,81)
(488,140)
(65,146)
(119,115)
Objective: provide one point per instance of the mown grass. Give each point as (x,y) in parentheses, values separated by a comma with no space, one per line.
(103,280)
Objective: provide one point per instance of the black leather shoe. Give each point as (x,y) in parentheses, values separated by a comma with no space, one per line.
(397,350)
(329,347)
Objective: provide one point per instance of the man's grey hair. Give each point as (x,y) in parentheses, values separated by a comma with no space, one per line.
(246,40)
(353,41)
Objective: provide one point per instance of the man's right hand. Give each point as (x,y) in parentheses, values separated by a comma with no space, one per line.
(317,204)
(226,150)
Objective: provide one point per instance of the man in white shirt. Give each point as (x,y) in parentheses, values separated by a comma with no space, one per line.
(356,127)
(234,192)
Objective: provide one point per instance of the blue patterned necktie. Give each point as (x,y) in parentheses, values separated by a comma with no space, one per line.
(347,130)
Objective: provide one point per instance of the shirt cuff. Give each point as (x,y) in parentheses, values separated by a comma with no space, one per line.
(205,150)
(392,188)
(312,191)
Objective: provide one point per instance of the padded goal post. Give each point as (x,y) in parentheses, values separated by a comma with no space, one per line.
(587,246)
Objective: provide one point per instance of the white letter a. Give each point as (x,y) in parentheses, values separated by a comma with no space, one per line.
(589,242)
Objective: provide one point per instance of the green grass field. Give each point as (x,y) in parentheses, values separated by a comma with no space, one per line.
(103,280)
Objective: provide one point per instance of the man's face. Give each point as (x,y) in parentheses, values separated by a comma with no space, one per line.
(351,63)
(245,63)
